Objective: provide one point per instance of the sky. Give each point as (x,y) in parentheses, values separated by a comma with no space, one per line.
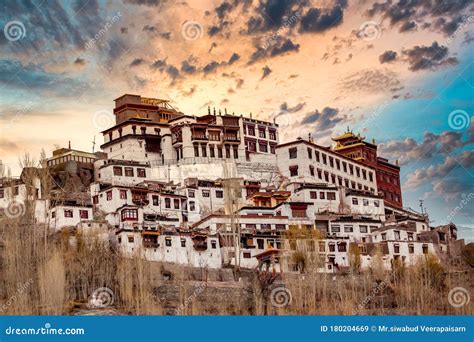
(399,72)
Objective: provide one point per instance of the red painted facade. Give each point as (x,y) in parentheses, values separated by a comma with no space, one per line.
(388,175)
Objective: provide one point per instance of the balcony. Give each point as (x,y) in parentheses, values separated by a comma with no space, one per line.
(231,138)
(199,136)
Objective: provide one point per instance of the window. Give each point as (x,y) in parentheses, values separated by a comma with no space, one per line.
(322,195)
(316,154)
(376,203)
(219,152)
(227,151)
(425,249)
(384,236)
(262,147)
(205,193)
(204,150)
(397,234)
(261,133)
(68,213)
(411,249)
(363,229)
(410,236)
(131,239)
(331,196)
(324,158)
(251,130)
(155,200)
(342,247)
(191,193)
(335,229)
(109,195)
(348,229)
(293,153)
(332,247)
(355,201)
(236,152)
(130,215)
(83,214)
(213,244)
(294,170)
(272,135)
(311,170)
(141,173)
(196,150)
(123,194)
(168,202)
(310,153)
(313,194)
(183,242)
(365,202)
(168,242)
(117,171)
(396,249)
(247,255)
(260,244)
(129,171)
(211,151)
(219,194)
(192,206)
(373,228)
(95,199)
(176,203)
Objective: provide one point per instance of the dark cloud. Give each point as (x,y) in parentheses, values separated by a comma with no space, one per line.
(327,119)
(266,71)
(188,68)
(150,29)
(448,14)
(151,3)
(165,35)
(210,67)
(137,62)
(14,74)
(387,56)
(440,171)
(294,109)
(408,150)
(239,82)
(409,25)
(234,58)
(159,64)
(172,72)
(80,61)
(317,21)
(428,57)
(281,46)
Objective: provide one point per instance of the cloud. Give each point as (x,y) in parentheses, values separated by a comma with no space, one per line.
(316,21)
(387,56)
(408,150)
(436,172)
(294,109)
(370,81)
(266,71)
(188,68)
(80,61)
(33,77)
(210,67)
(428,57)
(137,62)
(327,119)
(279,46)
(8,146)
(234,58)
(409,25)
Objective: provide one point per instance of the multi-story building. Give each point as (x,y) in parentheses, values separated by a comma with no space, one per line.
(220,190)
(387,174)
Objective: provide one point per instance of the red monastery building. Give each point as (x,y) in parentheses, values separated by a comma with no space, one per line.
(387,174)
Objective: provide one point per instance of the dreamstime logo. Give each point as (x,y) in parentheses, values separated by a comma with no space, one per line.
(102,297)
(459,119)
(14,30)
(458,297)
(280,297)
(21,289)
(102,119)
(282,118)
(108,24)
(15,209)
(191,30)
(369,30)
(200,288)
(465,200)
